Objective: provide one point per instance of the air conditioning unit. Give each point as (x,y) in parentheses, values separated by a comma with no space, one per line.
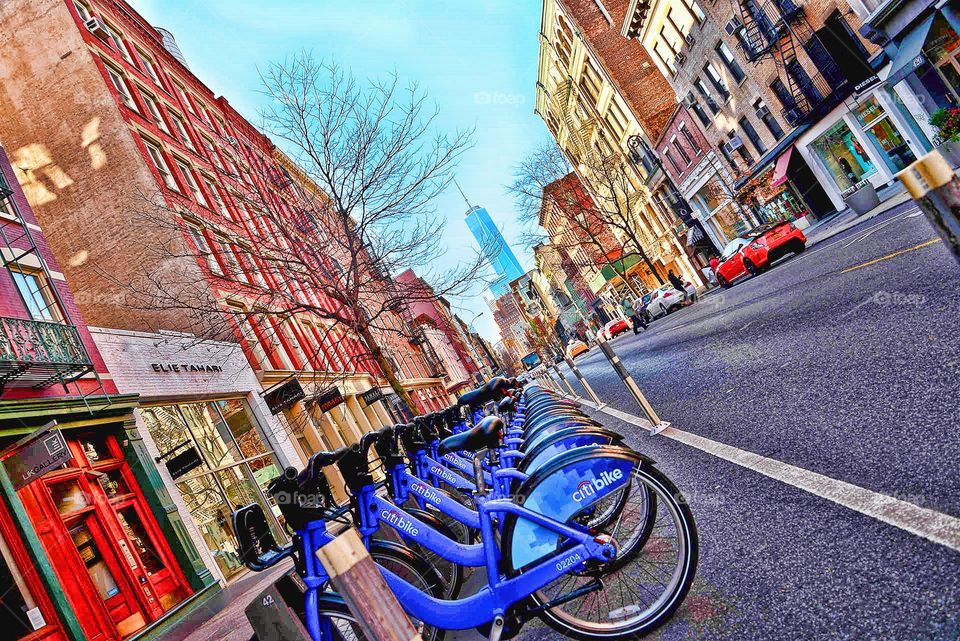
(230,140)
(690,39)
(733,144)
(733,26)
(794,115)
(680,59)
(763,111)
(97,28)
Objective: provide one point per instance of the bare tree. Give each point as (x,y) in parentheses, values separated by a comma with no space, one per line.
(606,221)
(348,205)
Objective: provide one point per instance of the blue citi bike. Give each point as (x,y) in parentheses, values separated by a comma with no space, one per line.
(550,539)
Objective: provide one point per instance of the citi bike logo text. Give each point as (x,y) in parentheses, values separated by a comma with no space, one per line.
(426,492)
(452,458)
(442,473)
(590,487)
(393,518)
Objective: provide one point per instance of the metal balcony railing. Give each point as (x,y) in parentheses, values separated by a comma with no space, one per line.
(818,97)
(40,353)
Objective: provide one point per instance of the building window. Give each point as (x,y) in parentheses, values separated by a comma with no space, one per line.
(203,248)
(748,129)
(697,12)
(117,41)
(807,86)
(181,127)
(214,156)
(681,152)
(229,257)
(154,110)
(120,84)
(763,113)
(730,62)
(37,294)
(688,136)
(707,95)
(148,66)
(697,108)
(590,81)
(187,172)
(783,95)
(82,10)
(672,161)
(217,199)
(716,80)
(161,165)
(184,97)
(742,149)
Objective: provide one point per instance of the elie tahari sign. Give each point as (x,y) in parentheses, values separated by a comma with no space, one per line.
(186,368)
(283,396)
(35,455)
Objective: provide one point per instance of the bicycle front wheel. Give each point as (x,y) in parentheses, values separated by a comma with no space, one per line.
(639,591)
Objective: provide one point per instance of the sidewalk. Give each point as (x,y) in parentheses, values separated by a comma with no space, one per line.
(896,198)
(223,618)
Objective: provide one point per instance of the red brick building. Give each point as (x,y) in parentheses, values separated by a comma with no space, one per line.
(88,548)
(116,114)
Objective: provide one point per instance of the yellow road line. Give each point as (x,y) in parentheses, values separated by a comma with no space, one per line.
(889,256)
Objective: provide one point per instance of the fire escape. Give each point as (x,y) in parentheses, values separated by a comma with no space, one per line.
(45,349)
(779,29)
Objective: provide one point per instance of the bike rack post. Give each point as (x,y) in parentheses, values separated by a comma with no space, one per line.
(658,424)
(934,187)
(583,381)
(357,579)
(565,381)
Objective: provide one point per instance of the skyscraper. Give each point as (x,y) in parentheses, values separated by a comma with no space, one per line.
(495,249)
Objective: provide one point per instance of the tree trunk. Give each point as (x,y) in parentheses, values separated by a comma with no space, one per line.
(387,369)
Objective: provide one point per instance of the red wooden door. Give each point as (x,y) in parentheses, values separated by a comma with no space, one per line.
(106,574)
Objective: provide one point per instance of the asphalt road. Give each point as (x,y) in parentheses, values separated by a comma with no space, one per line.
(835,364)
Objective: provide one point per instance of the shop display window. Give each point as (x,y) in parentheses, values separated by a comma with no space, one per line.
(842,155)
(19,614)
(884,134)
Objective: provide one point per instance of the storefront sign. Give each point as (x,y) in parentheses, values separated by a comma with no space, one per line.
(185,368)
(184,462)
(371,396)
(328,399)
(283,396)
(865,84)
(36,455)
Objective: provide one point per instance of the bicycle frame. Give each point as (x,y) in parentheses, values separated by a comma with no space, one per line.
(482,607)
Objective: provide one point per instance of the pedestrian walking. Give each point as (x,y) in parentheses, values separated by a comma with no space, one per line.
(630,312)
(677,283)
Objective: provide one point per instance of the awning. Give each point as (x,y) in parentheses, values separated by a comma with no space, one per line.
(617,267)
(910,54)
(694,235)
(780,170)
(768,157)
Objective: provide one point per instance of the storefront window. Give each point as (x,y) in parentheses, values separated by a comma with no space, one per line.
(15,598)
(68,497)
(884,134)
(843,156)
(100,574)
(238,466)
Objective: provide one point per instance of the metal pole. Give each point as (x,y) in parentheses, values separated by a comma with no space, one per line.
(658,424)
(565,381)
(935,188)
(583,381)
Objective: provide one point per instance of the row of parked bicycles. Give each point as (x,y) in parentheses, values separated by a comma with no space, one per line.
(566,522)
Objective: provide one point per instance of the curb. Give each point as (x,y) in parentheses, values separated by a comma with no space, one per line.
(840,228)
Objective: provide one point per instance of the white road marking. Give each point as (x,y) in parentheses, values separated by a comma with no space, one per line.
(866,302)
(931,525)
(863,234)
(748,324)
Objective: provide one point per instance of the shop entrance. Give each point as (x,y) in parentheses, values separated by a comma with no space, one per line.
(106,546)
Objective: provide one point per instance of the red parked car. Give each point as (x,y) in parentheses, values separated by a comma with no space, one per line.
(755,252)
(614,328)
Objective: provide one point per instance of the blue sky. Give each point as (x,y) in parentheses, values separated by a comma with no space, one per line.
(476,58)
